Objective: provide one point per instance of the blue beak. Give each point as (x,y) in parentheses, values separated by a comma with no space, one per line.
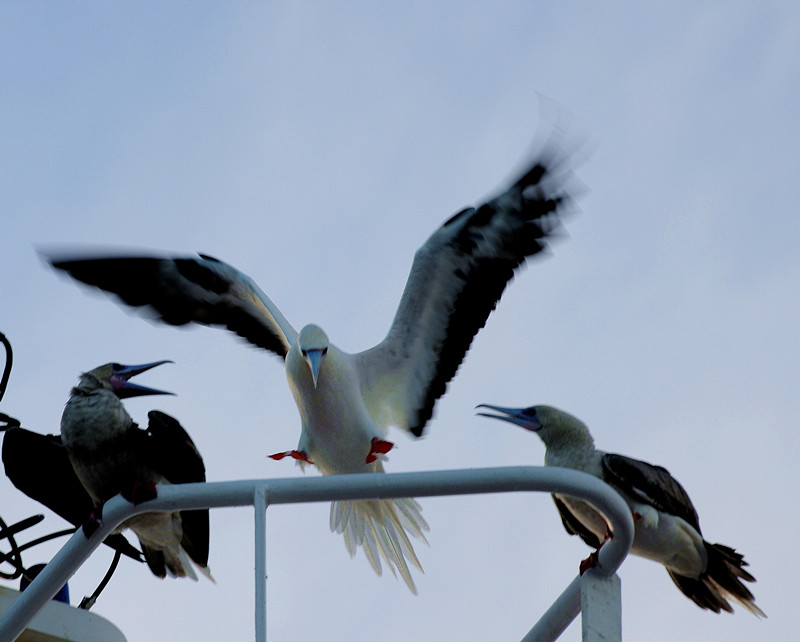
(125,389)
(524,417)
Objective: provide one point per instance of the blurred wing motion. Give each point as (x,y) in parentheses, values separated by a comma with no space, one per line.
(348,401)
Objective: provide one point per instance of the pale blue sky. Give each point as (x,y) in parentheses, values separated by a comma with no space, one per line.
(315,149)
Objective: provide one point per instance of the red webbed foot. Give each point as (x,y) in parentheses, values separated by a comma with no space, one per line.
(139,492)
(378,447)
(92,523)
(299,455)
(589,562)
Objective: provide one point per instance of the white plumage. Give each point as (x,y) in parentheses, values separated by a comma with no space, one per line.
(348,401)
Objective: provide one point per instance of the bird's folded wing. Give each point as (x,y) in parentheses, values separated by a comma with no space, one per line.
(650,484)
(39,466)
(170,451)
(574,526)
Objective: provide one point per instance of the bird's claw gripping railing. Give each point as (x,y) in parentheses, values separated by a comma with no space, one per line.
(598,623)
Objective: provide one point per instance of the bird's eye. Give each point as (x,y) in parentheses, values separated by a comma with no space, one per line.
(324,351)
(116,366)
(304,352)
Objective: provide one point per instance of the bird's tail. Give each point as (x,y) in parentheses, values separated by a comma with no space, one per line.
(721,581)
(381,527)
(171,559)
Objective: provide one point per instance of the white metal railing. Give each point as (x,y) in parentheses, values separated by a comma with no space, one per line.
(596,592)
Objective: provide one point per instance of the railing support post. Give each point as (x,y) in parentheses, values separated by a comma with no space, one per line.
(260,527)
(260,493)
(601,607)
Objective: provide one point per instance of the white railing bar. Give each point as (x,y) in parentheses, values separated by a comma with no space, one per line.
(559,616)
(567,606)
(260,528)
(334,487)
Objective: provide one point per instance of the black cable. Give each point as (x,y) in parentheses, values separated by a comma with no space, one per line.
(46,538)
(88,602)
(9,422)
(14,556)
(7,369)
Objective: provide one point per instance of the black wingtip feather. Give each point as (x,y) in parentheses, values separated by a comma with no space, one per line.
(155,561)
(157,284)
(532,176)
(541,197)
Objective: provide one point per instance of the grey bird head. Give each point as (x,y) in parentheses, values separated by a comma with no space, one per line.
(553,426)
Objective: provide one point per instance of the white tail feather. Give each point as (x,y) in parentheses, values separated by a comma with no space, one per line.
(179,564)
(183,559)
(381,528)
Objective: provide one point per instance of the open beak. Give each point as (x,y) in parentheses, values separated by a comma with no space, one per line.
(125,389)
(524,417)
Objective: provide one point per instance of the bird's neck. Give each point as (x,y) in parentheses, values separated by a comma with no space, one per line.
(569,450)
(87,384)
(82,390)
(93,416)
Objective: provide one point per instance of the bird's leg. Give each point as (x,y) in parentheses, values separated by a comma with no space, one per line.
(300,455)
(139,492)
(594,559)
(589,562)
(92,523)
(378,447)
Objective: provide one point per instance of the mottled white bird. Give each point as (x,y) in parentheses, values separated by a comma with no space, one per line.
(666,526)
(347,401)
(111,455)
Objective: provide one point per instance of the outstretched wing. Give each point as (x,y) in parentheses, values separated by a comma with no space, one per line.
(651,485)
(173,454)
(39,466)
(185,290)
(456,280)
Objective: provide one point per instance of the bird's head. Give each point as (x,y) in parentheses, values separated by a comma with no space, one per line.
(114,377)
(555,427)
(313,345)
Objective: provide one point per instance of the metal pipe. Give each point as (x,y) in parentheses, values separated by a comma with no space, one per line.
(559,616)
(317,489)
(567,606)
(260,528)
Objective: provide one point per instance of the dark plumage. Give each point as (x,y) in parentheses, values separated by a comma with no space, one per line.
(111,454)
(39,466)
